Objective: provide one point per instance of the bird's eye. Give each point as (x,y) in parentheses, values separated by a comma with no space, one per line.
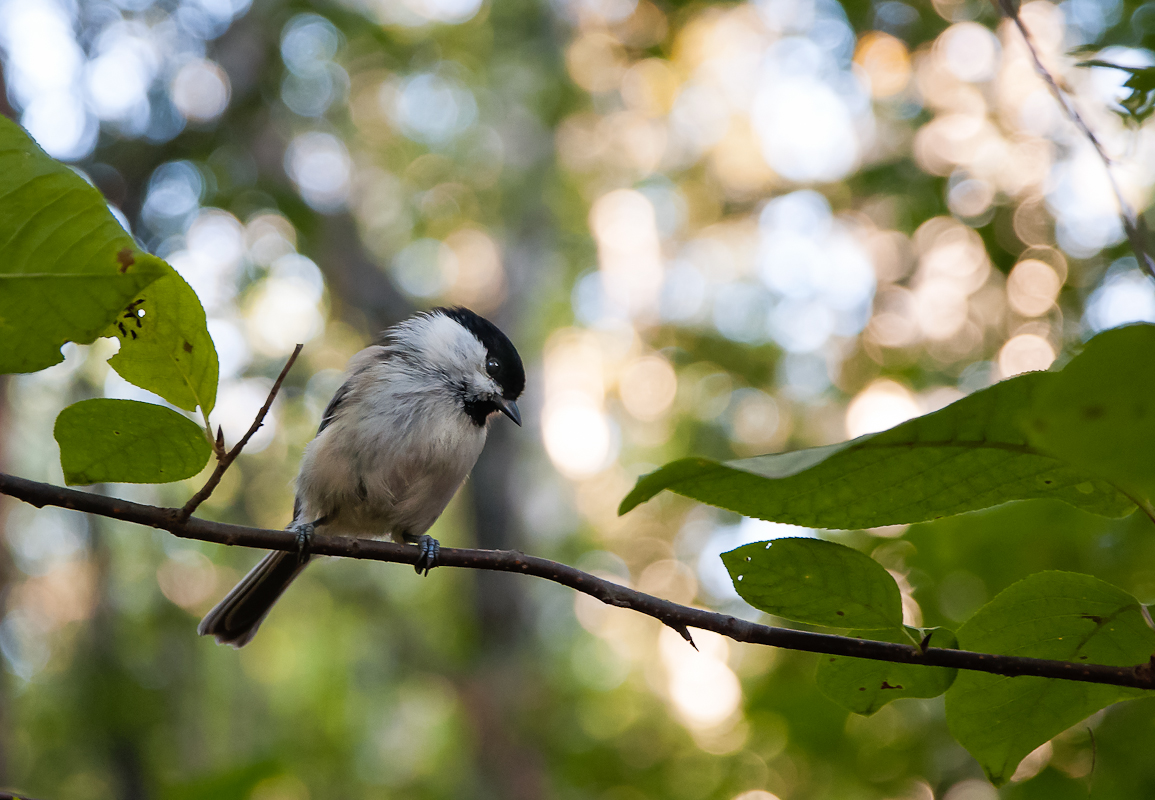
(491,365)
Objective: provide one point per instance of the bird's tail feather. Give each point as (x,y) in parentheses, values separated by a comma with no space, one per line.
(235,619)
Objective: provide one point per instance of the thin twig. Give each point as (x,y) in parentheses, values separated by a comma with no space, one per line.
(224,460)
(676,616)
(1133,224)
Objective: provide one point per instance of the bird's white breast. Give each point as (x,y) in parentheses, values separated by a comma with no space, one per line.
(393,456)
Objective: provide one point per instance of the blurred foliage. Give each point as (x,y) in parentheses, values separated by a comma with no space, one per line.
(1141,102)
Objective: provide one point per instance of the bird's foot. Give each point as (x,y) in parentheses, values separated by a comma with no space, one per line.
(304,533)
(429,548)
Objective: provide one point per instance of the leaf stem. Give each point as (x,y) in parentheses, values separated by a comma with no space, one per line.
(1143,504)
(209,431)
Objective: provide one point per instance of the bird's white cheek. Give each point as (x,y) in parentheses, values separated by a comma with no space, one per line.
(485,386)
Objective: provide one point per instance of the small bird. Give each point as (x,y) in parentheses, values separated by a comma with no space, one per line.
(394,445)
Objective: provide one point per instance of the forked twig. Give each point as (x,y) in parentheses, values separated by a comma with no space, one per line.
(225,459)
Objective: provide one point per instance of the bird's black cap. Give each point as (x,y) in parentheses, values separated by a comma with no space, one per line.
(508,372)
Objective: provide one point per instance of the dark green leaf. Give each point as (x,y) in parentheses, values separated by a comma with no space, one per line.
(165,346)
(67,267)
(125,441)
(1055,615)
(864,686)
(814,581)
(970,455)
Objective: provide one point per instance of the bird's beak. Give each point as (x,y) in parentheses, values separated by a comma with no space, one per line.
(509,408)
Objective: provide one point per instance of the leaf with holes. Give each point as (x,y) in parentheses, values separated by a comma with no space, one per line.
(864,686)
(125,441)
(814,581)
(67,267)
(1055,615)
(972,454)
(165,346)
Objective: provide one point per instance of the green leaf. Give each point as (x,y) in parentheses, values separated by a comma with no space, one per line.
(864,686)
(67,267)
(1099,412)
(814,581)
(972,454)
(125,441)
(165,346)
(1055,615)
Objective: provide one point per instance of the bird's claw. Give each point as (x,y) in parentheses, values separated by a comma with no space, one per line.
(429,548)
(304,533)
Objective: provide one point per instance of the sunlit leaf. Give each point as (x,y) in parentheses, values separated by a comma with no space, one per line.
(814,581)
(864,686)
(1055,615)
(67,267)
(972,454)
(125,441)
(165,346)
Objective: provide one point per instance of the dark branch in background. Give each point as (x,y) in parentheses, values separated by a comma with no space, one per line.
(676,616)
(224,460)
(1133,224)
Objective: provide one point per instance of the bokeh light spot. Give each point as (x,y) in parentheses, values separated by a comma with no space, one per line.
(1032,287)
(320,166)
(880,406)
(200,90)
(886,61)
(647,387)
(1026,352)
(1125,295)
(578,437)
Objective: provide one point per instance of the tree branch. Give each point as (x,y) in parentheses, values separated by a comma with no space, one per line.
(676,616)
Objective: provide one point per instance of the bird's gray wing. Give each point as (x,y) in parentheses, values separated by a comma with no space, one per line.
(378,354)
(335,405)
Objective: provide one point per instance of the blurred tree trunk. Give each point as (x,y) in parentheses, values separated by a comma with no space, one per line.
(503,687)
(357,282)
(113,695)
(508,765)
(362,289)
